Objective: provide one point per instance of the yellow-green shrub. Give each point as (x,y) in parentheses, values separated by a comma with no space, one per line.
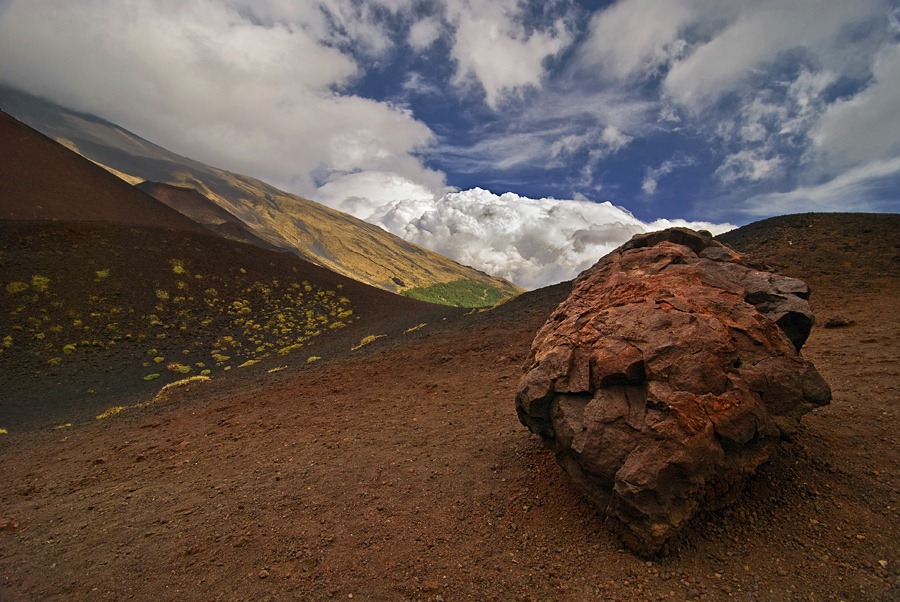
(14,288)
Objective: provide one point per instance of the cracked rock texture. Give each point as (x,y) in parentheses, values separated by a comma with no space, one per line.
(668,377)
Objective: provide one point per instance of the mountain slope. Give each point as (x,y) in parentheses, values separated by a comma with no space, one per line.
(315,232)
(194,205)
(41,180)
(106,293)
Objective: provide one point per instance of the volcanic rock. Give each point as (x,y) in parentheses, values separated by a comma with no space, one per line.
(667,377)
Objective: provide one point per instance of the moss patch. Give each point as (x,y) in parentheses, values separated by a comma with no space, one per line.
(460,293)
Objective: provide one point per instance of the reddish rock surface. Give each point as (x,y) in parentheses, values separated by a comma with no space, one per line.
(668,377)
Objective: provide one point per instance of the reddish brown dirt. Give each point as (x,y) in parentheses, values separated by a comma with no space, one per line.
(43,180)
(400,471)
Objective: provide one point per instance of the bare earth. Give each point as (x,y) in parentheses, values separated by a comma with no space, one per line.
(400,472)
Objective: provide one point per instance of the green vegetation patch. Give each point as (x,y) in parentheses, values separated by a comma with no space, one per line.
(461,293)
(40,283)
(14,288)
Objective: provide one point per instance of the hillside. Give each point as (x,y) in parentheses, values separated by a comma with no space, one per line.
(200,209)
(41,180)
(399,471)
(107,294)
(317,233)
(93,314)
(846,252)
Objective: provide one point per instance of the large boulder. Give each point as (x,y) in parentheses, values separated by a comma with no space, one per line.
(667,377)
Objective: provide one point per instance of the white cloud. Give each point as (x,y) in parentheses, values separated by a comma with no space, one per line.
(749,166)
(358,24)
(602,142)
(769,63)
(559,127)
(614,140)
(363,194)
(702,51)
(857,189)
(532,242)
(757,34)
(773,67)
(634,39)
(865,127)
(424,33)
(492,47)
(652,175)
(253,92)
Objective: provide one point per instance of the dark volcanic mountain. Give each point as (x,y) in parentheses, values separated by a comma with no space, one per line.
(41,180)
(107,293)
(317,233)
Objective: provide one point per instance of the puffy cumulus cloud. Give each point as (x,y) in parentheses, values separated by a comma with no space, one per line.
(532,242)
(252,87)
(363,194)
(492,46)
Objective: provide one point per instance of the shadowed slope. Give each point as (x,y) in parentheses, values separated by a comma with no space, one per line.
(106,293)
(96,315)
(191,203)
(42,180)
(842,251)
(317,233)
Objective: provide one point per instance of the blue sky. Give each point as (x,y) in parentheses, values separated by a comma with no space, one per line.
(419,116)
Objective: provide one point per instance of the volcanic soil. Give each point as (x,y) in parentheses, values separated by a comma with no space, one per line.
(399,471)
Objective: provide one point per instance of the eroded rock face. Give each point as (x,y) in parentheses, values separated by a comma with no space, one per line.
(667,378)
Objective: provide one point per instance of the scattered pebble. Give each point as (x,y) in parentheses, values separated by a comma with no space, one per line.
(7,523)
